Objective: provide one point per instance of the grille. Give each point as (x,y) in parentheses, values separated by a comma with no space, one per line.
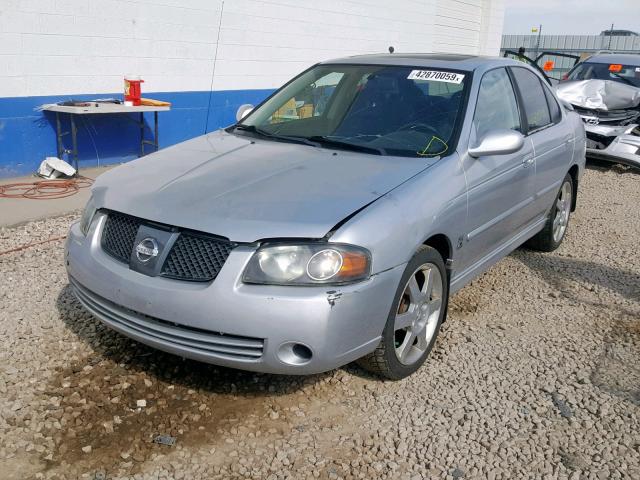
(119,234)
(196,258)
(619,117)
(162,333)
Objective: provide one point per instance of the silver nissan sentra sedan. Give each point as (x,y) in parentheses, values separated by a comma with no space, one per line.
(333,221)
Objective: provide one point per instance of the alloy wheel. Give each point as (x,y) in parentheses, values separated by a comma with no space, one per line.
(563,210)
(418,313)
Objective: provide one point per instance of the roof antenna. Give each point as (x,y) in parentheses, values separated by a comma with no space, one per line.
(391,49)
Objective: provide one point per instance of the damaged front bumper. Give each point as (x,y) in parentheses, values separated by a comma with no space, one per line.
(611,114)
(614,143)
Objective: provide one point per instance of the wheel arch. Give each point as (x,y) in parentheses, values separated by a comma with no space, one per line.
(441,243)
(574,172)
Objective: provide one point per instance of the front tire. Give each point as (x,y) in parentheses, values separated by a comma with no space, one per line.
(551,236)
(414,320)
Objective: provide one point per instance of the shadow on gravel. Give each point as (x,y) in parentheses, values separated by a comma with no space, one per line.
(100,397)
(617,371)
(602,166)
(558,271)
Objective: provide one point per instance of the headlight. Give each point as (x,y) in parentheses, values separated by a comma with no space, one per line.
(87,216)
(308,264)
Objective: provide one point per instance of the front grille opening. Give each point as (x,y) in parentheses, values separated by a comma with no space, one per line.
(145,327)
(194,257)
(119,234)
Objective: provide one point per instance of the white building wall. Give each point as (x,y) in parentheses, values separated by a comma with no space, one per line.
(457,26)
(73,46)
(491,27)
(66,47)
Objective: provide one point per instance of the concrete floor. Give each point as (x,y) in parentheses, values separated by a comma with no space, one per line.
(14,211)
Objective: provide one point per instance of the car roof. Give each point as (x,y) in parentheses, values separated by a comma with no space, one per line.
(431,60)
(621,58)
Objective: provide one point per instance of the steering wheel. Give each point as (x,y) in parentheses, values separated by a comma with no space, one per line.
(421,128)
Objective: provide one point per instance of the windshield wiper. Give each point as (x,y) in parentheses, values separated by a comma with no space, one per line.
(314,141)
(265,134)
(331,142)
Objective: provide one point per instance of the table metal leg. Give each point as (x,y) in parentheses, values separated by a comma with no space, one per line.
(59,146)
(141,134)
(154,143)
(74,139)
(155,121)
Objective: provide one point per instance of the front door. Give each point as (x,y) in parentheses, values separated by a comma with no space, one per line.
(500,187)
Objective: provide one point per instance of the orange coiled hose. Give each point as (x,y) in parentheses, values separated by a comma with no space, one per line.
(45,189)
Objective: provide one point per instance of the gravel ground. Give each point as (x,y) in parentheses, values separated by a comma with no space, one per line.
(536,374)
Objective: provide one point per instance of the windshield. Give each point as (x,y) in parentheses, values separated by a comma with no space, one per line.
(629,74)
(388,110)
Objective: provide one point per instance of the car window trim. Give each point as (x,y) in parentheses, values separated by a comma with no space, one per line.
(550,97)
(520,100)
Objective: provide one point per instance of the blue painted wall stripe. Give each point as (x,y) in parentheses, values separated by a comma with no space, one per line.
(27,135)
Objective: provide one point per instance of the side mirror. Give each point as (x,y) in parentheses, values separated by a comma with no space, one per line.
(498,142)
(243,111)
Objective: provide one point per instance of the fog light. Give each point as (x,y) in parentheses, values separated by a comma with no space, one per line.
(293,353)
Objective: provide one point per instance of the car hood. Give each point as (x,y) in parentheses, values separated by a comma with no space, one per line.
(249,189)
(603,95)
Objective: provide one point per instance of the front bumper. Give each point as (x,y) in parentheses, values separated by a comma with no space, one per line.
(621,144)
(227,322)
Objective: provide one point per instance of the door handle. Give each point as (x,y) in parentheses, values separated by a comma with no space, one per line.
(527,161)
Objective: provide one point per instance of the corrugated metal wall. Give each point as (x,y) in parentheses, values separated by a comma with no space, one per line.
(575,44)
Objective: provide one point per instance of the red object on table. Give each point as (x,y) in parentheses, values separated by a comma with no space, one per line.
(132,90)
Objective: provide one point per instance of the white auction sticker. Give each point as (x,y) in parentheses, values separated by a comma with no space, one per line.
(637,69)
(436,76)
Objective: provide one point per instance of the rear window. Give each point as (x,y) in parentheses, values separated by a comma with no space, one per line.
(629,74)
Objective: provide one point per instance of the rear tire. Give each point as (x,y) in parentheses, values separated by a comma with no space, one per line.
(413,323)
(555,229)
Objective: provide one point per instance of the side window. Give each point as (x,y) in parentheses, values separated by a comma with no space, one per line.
(554,108)
(533,98)
(496,106)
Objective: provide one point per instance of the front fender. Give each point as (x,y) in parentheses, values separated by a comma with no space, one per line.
(392,228)
(580,144)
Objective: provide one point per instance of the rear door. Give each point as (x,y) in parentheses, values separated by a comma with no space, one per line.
(556,65)
(552,138)
(500,187)
(553,66)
